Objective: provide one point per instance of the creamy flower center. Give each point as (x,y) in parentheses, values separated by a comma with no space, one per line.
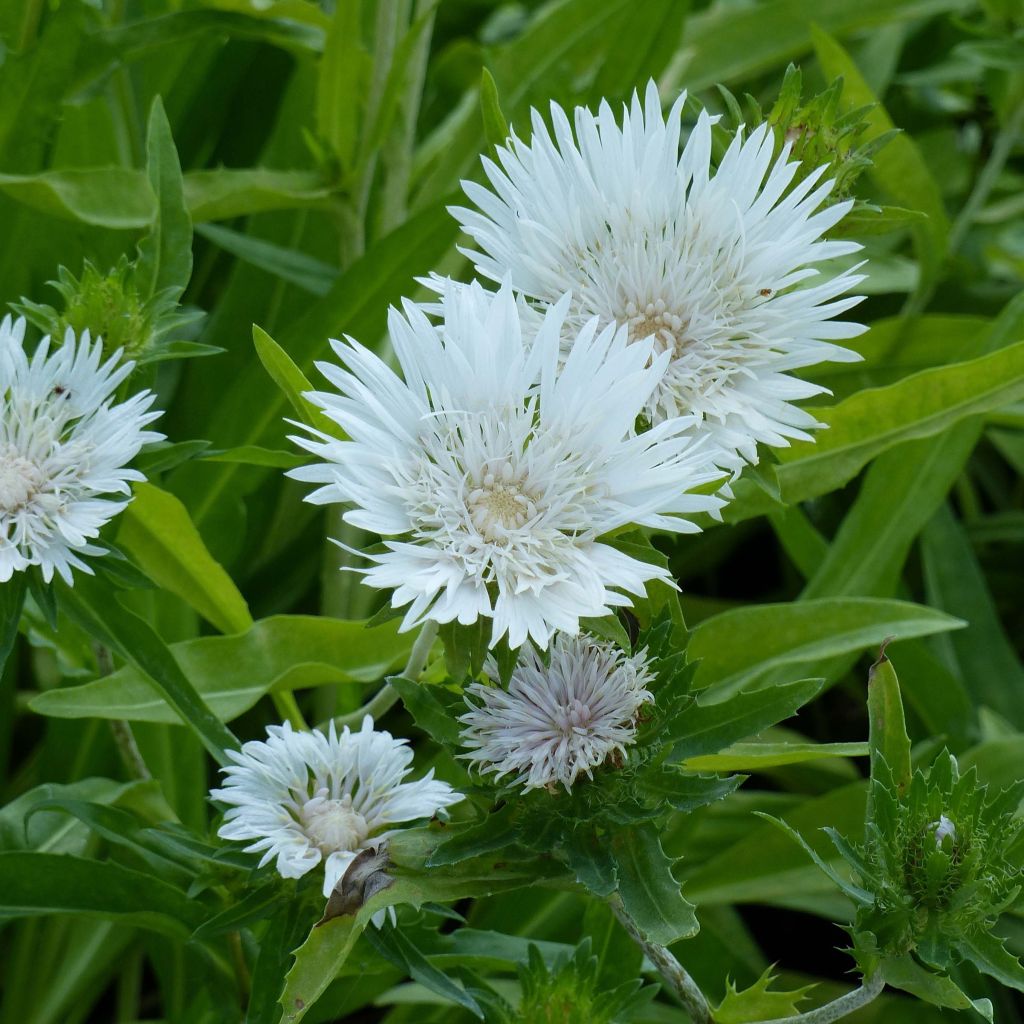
(333,824)
(20,479)
(500,504)
(657,320)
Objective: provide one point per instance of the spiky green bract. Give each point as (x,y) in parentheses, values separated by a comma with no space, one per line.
(111,307)
(570,992)
(936,861)
(819,133)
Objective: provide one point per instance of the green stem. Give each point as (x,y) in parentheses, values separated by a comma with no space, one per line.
(127,747)
(869,990)
(287,708)
(1001,149)
(387,696)
(672,971)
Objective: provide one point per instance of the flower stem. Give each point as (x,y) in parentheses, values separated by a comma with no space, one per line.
(387,696)
(673,972)
(869,990)
(124,738)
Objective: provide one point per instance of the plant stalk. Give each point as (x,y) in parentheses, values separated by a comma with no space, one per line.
(868,991)
(672,971)
(387,696)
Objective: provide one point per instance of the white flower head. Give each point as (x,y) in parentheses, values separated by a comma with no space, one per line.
(64,447)
(713,266)
(493,469)
(557,721)
(306,798)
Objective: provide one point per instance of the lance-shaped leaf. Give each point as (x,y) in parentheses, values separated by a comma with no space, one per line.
(888,741)
(97,610)
(707,728)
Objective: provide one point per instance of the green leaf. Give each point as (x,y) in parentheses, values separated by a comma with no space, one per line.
(110,197)
(98,611)
(12,597)
(758,1002)
(393,943)
(905,973)
(899,495)
(463,842)
(428,712)
(800,633)
(763,865)
(291,265)
(869,422)
(984,657)
(231,673)
(751,757)
(989,954)
(34,883)
(708,728)
(728,44)
(855,892)
(495,126)
(649,892)
(323,955)
(465,647)
(291,381)
(165,254)
(888,737)
(158,533)
(227,193)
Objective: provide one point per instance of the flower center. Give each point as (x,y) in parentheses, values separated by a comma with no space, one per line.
(573,716)
(657,320)
(20,479)
(500,504)
(333,825)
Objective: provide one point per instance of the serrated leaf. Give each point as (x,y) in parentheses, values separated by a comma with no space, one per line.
(650,893)
(708,728)
(497,831)
(758,1002)
(429,713)
(906,974)
(989,954)
(855,892)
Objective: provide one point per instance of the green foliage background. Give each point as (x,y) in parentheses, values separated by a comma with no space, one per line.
(318,148)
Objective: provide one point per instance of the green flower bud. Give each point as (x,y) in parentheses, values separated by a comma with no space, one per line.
(110,307)
(936,859)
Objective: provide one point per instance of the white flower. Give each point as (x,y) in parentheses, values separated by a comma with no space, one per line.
(943,829)
(712,266)
(64,444)
(306,798)
(496,470)
(560,720)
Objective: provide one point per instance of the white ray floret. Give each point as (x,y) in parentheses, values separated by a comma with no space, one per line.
(306,798)
(557,721)
(65,444)
(725,269)
(493,469)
